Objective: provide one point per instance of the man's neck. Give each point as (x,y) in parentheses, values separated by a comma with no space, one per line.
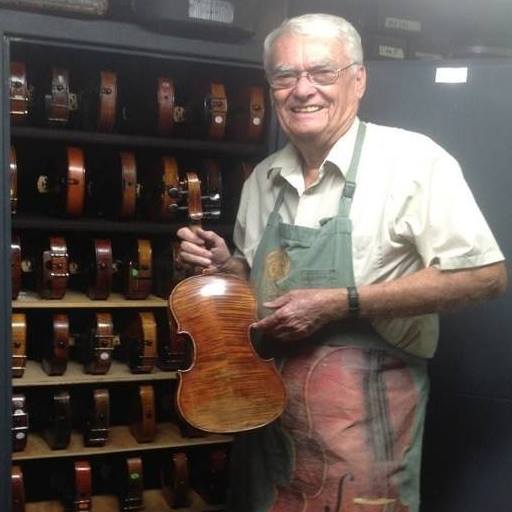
(313,152)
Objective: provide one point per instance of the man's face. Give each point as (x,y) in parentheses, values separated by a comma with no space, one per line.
(310,113)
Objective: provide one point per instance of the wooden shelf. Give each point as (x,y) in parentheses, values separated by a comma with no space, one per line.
(153,502)
(119,372)
(120,440)
(114,139)
(73,299)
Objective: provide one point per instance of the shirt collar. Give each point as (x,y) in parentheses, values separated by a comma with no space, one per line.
(287,161)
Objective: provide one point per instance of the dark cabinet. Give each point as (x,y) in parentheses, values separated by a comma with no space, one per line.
(103,123)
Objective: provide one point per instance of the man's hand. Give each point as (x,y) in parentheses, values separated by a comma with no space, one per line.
(204,249)
(299,313)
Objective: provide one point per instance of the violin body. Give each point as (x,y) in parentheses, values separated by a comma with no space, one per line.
(228,388)
(107,104)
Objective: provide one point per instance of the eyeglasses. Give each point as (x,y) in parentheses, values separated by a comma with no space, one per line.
(318,76)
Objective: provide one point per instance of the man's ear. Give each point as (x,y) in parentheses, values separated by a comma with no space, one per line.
(360,82)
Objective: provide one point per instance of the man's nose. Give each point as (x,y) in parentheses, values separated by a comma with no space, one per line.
(304,86)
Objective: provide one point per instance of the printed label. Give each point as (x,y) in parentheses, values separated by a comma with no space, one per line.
(401,24)
(391,52)
(211,10)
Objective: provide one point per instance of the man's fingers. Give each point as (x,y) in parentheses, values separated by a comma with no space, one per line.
(194,261)
(189,248)
(277,303)
(210,238)
(186,234)
(269,322)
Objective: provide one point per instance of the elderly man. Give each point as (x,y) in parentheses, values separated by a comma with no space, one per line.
(355,236)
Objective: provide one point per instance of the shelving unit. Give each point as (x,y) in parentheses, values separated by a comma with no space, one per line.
(74,299)
(134,141)
(90,46)
(119,372)
(120,440)
(153,502)
(44,223)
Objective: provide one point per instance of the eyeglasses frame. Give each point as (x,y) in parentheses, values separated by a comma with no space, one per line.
(307,74)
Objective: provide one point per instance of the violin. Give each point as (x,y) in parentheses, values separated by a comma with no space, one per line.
(138,272)
(15,266)
(13,174)
(97,346)
(19,344)
(165,100)
(143,423)
(17,490)
(228,388)
(81,501)
(98,419)
(19,93)
(69,183)
(107,101)
(247,120)
(19,428)
(141,338)
(60,102)
(165,190)
(56,350)
(54,270)
(113,188)
(215,111)
(128,184)
(58,430)
(214,476)
(131,496)
(75,182)
(101,275)
(176,482)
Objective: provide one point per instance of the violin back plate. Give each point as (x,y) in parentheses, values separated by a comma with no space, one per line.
(228,387)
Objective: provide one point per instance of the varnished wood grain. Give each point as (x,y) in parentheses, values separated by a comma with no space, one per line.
(19,343)
(75,181)
(228,388)
(107,101)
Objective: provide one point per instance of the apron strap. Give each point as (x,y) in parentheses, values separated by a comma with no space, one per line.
(279,200)
(350,181)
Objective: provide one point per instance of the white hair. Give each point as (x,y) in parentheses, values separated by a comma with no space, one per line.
(317,25)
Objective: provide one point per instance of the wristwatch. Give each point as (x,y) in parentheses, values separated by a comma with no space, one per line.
(353,301)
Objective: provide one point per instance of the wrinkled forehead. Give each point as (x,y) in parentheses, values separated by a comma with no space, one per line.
(291,51)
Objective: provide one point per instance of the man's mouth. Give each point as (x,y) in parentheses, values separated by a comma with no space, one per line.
(306,109)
